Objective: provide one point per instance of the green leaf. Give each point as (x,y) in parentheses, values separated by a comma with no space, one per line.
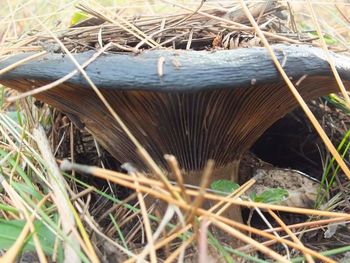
(78,17)
(29,182)
(8,208)
(327,38)
(330,40)
(121,236)
(10,230)
(224,186)
(271,195)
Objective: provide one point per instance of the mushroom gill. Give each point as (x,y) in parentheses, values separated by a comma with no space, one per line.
(205,105)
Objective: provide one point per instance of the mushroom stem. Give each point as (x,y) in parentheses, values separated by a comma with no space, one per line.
(227,172)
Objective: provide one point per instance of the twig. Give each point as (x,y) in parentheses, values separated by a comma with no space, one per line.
(290,233)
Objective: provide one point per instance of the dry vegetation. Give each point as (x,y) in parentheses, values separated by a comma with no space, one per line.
(87,210)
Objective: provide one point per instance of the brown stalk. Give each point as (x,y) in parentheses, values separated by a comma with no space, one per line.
(82,193)
(309,224)
(174,167)
(180,249)
(104,173)
(116,206)
(271,242)
(146,221)
(247,239)
(291,234)
(96,230)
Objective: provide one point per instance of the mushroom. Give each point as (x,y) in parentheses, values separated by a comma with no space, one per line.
(196,105)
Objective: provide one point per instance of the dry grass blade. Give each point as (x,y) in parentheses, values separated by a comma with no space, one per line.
(108,239)
(251,249)
(223,222)
(179,250)
(303,231)
(290,233)
(204,184)
(268,224)
(174,189)
(174,166)
(38,246)
(146,221)
(138,33)
(329,58)
(133,33)
(272,254)
(60,197)
(310,224)
(238,25)
(177,232)
(19,46)
(277,207)
(189,16)
(156,170)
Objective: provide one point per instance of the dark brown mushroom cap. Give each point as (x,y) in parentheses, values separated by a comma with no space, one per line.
(206,105)
(182,70)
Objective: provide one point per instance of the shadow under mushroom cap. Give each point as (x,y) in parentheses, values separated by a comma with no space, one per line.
(204,105)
